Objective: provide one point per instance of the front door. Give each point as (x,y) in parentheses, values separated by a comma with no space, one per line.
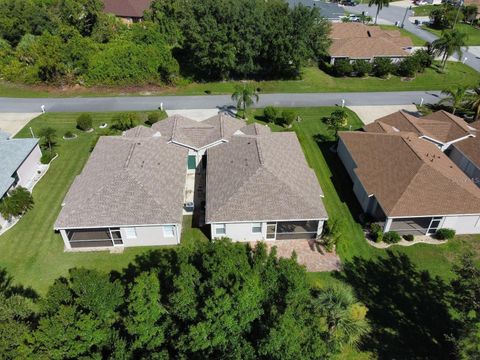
(271,231)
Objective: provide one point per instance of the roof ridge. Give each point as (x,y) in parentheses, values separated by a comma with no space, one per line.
(221,125)
(259,152)
(129,156)
(174,127)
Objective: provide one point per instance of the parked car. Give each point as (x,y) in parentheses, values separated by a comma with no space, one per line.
(348,2)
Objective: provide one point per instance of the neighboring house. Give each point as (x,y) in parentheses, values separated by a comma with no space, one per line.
(409,184)
(136,188)
(331,11)
(19,163)
(260,187)
(357,41)
(129,11)
(466,154)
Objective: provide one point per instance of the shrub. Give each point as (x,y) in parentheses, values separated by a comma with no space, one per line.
(376,232)
(47,156)
(288,117)
(408,67)
(331,234)
(445,234)
(270,113)
(69,135)
(382,67)
(342,67)
(424,59)
(409,237)
(362,67)
(16,203)
(125,121)
(391,237)
(152,118)
(84,122)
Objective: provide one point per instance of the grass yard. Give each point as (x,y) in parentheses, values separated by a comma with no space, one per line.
(424,10)
(417,41)
(473,33)
(313,80)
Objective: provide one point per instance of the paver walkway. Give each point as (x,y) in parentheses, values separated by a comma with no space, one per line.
(308,254)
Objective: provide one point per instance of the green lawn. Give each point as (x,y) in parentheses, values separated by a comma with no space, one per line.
(473,33)
(417,41)
(313,80)
(424,10)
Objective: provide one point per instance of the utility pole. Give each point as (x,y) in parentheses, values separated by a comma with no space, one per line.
(405,16)
(460,4)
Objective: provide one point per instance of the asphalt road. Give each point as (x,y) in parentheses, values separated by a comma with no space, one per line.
(19,105)
(394,13)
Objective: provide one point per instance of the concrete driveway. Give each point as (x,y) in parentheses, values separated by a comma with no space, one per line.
(369,114)
(12,123)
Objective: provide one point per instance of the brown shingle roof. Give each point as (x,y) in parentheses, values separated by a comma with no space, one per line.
(409,176)
(440,126)
(127,181)
(126,8)
(471,147)
(261,178)
(357,41)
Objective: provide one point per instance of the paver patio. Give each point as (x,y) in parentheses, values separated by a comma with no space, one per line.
(314,258)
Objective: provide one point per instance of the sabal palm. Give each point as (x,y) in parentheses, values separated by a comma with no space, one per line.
(345,317)
(380,4)
(245,97)
(451,42)
(455,96)
(473,102)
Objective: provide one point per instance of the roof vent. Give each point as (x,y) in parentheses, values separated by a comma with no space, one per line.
(157,134)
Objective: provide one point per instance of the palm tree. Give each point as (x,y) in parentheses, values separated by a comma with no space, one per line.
(455,97)
(244,96)
(451,42)
(345,316)
(380,4)
(473,101)
(49,135)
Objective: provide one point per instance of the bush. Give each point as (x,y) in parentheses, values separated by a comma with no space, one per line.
(152,118)
(424,59)
(288,117)
(391,237)
(362,67)
(409,237)
(84,122)
(445,234)
(342,67)
(408,67)
(16,203)
(270,113)
(382,67)
(69,135)
(125,121)
(376,232)
(47,156)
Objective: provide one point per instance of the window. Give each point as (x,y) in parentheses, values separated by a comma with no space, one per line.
(169,231)
(130,233)
(256,228)
(219,229)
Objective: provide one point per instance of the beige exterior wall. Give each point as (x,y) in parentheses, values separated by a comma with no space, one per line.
(28,169)
(151,236)
(469,168)
(466,224)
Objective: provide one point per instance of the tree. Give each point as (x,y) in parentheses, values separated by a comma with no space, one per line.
(362,67)
(470,12)
(380,4)
(473,101)
(244,96)
(449,43)
(337,120)
(342,67)
(84,122)
(455,97)
(408,67)
(382,67)
(270,113)
(125,121)
(16,203)
(344,316)
(49,136)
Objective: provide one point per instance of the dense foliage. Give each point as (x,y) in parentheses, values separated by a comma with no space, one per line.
(210,301)
(16,203)
(74,42)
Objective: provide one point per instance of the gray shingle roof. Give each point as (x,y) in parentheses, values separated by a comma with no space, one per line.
(261,178)
(127,181)
(195,134)
(12,154)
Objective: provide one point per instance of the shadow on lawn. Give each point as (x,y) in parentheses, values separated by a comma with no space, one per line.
(7,288)
(407,308)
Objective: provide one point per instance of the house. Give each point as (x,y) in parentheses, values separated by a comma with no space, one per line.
(19,163)
(403,177)
(357,41)
(136,188)
(129,11)
(260,187)
(466,154)
(331,11)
